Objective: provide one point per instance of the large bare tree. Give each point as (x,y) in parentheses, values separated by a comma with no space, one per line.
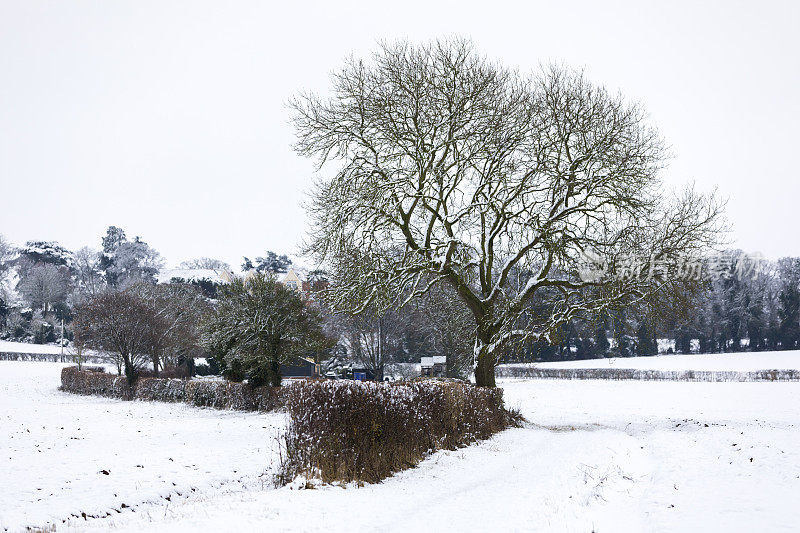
(448,168)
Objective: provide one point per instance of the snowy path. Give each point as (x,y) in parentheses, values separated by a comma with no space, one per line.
(596,455)
(722,456)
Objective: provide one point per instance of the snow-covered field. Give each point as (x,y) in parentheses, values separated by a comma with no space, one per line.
(595,455)
(737,362)
(64,454)
(24,347)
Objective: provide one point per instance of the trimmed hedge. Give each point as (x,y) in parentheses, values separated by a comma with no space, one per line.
(94,381)
(218,394)
(230,395)
(524,371)
(353,431)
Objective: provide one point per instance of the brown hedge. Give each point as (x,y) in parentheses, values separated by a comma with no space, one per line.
(94,381)
(351,431)
(218,394)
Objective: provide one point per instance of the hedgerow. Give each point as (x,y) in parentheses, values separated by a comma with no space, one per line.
(218,394)
(353,431)
(94,381)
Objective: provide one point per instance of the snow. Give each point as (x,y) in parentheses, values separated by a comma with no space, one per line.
(594,455)
(24,347)
(737,362)
(55,445)
(433,360)
(44,349)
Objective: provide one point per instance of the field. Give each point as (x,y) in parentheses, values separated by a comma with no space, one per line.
(594,455)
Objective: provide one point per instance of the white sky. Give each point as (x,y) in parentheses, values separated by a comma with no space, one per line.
(169,118)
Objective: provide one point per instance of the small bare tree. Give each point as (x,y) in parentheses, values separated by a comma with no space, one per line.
(448,326)
(176,312)
(118,323)
(370,338)
(451,169)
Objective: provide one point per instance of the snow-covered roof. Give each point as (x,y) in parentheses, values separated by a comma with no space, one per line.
(193,274)
(298,272)
(433,360)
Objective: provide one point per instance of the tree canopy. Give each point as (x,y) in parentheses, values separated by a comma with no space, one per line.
(444,167)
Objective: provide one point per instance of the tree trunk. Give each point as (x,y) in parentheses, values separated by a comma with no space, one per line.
(484,370)
(275,373)
(130,375)
(484,360)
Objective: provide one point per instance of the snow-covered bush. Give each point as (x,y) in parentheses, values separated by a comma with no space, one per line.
(356,431)
(160,389)
(230,395)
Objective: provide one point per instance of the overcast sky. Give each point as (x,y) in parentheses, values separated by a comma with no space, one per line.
(169,119)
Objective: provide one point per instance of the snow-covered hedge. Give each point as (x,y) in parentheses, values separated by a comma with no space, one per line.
(94,381)
(160,389)
(230,395)
(524,371)
(218,394)
(355,431)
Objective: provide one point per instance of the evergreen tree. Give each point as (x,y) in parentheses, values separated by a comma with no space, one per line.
(258,325)
(271,262)
(646,343)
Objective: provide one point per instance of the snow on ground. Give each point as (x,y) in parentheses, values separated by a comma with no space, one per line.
(737,362)
(55,448)
(25,347)
(595,455)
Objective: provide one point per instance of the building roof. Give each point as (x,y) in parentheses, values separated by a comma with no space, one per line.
(434,360)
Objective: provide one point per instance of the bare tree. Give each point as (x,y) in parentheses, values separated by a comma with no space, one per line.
(45,285)
(206,263)
(452,169)
(119,323)
(449,327)
(371,338)
(6,256)
(6,253)
(176,311)
(88,276)
(131,262)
